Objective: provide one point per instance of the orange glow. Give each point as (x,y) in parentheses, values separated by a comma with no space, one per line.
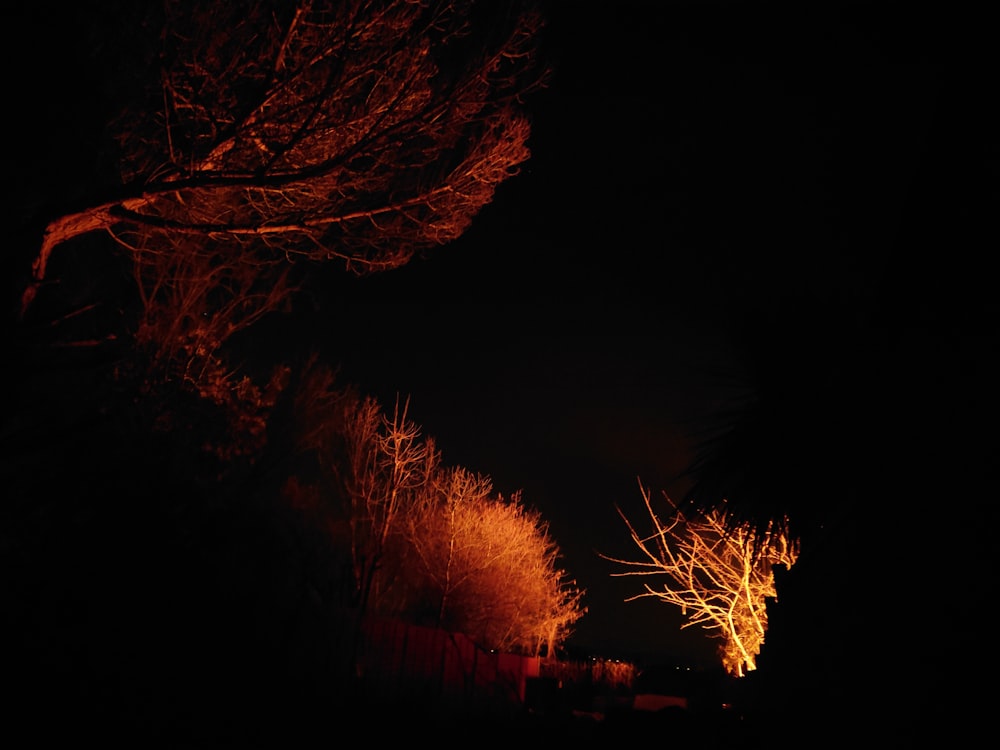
(720,574)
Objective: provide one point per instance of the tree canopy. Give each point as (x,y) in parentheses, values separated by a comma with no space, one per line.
(358,133)
(177,510)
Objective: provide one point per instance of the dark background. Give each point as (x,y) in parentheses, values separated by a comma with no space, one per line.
(727,203)
(769,221)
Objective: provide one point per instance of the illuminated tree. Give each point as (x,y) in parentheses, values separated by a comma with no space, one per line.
(274,136)
(423,542)
(441,531)
(719,571)
(558,601)
(490,567)
(386,464)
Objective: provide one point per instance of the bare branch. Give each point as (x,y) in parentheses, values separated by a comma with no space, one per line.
(357,132)
(719,573)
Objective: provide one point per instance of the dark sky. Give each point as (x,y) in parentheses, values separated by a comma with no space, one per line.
(713,185)
(706,178)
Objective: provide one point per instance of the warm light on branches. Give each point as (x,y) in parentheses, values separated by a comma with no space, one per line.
(490,565)
(437,545)
(314,131)
(387,464)
(259,141)
(720,573)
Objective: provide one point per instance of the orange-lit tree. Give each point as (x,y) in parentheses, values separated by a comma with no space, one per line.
(260,140)
(552,603)
(719,573)
(441,532)
(411,537)
(386,465)
(489,566)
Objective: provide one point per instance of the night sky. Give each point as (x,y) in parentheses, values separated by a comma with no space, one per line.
(723,198)
(727,203)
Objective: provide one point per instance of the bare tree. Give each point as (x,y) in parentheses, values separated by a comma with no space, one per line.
(491,566)
(427,542)
(441,532)
(560,602)
(720,571)
(542,602)
(272,134)
(386,464)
